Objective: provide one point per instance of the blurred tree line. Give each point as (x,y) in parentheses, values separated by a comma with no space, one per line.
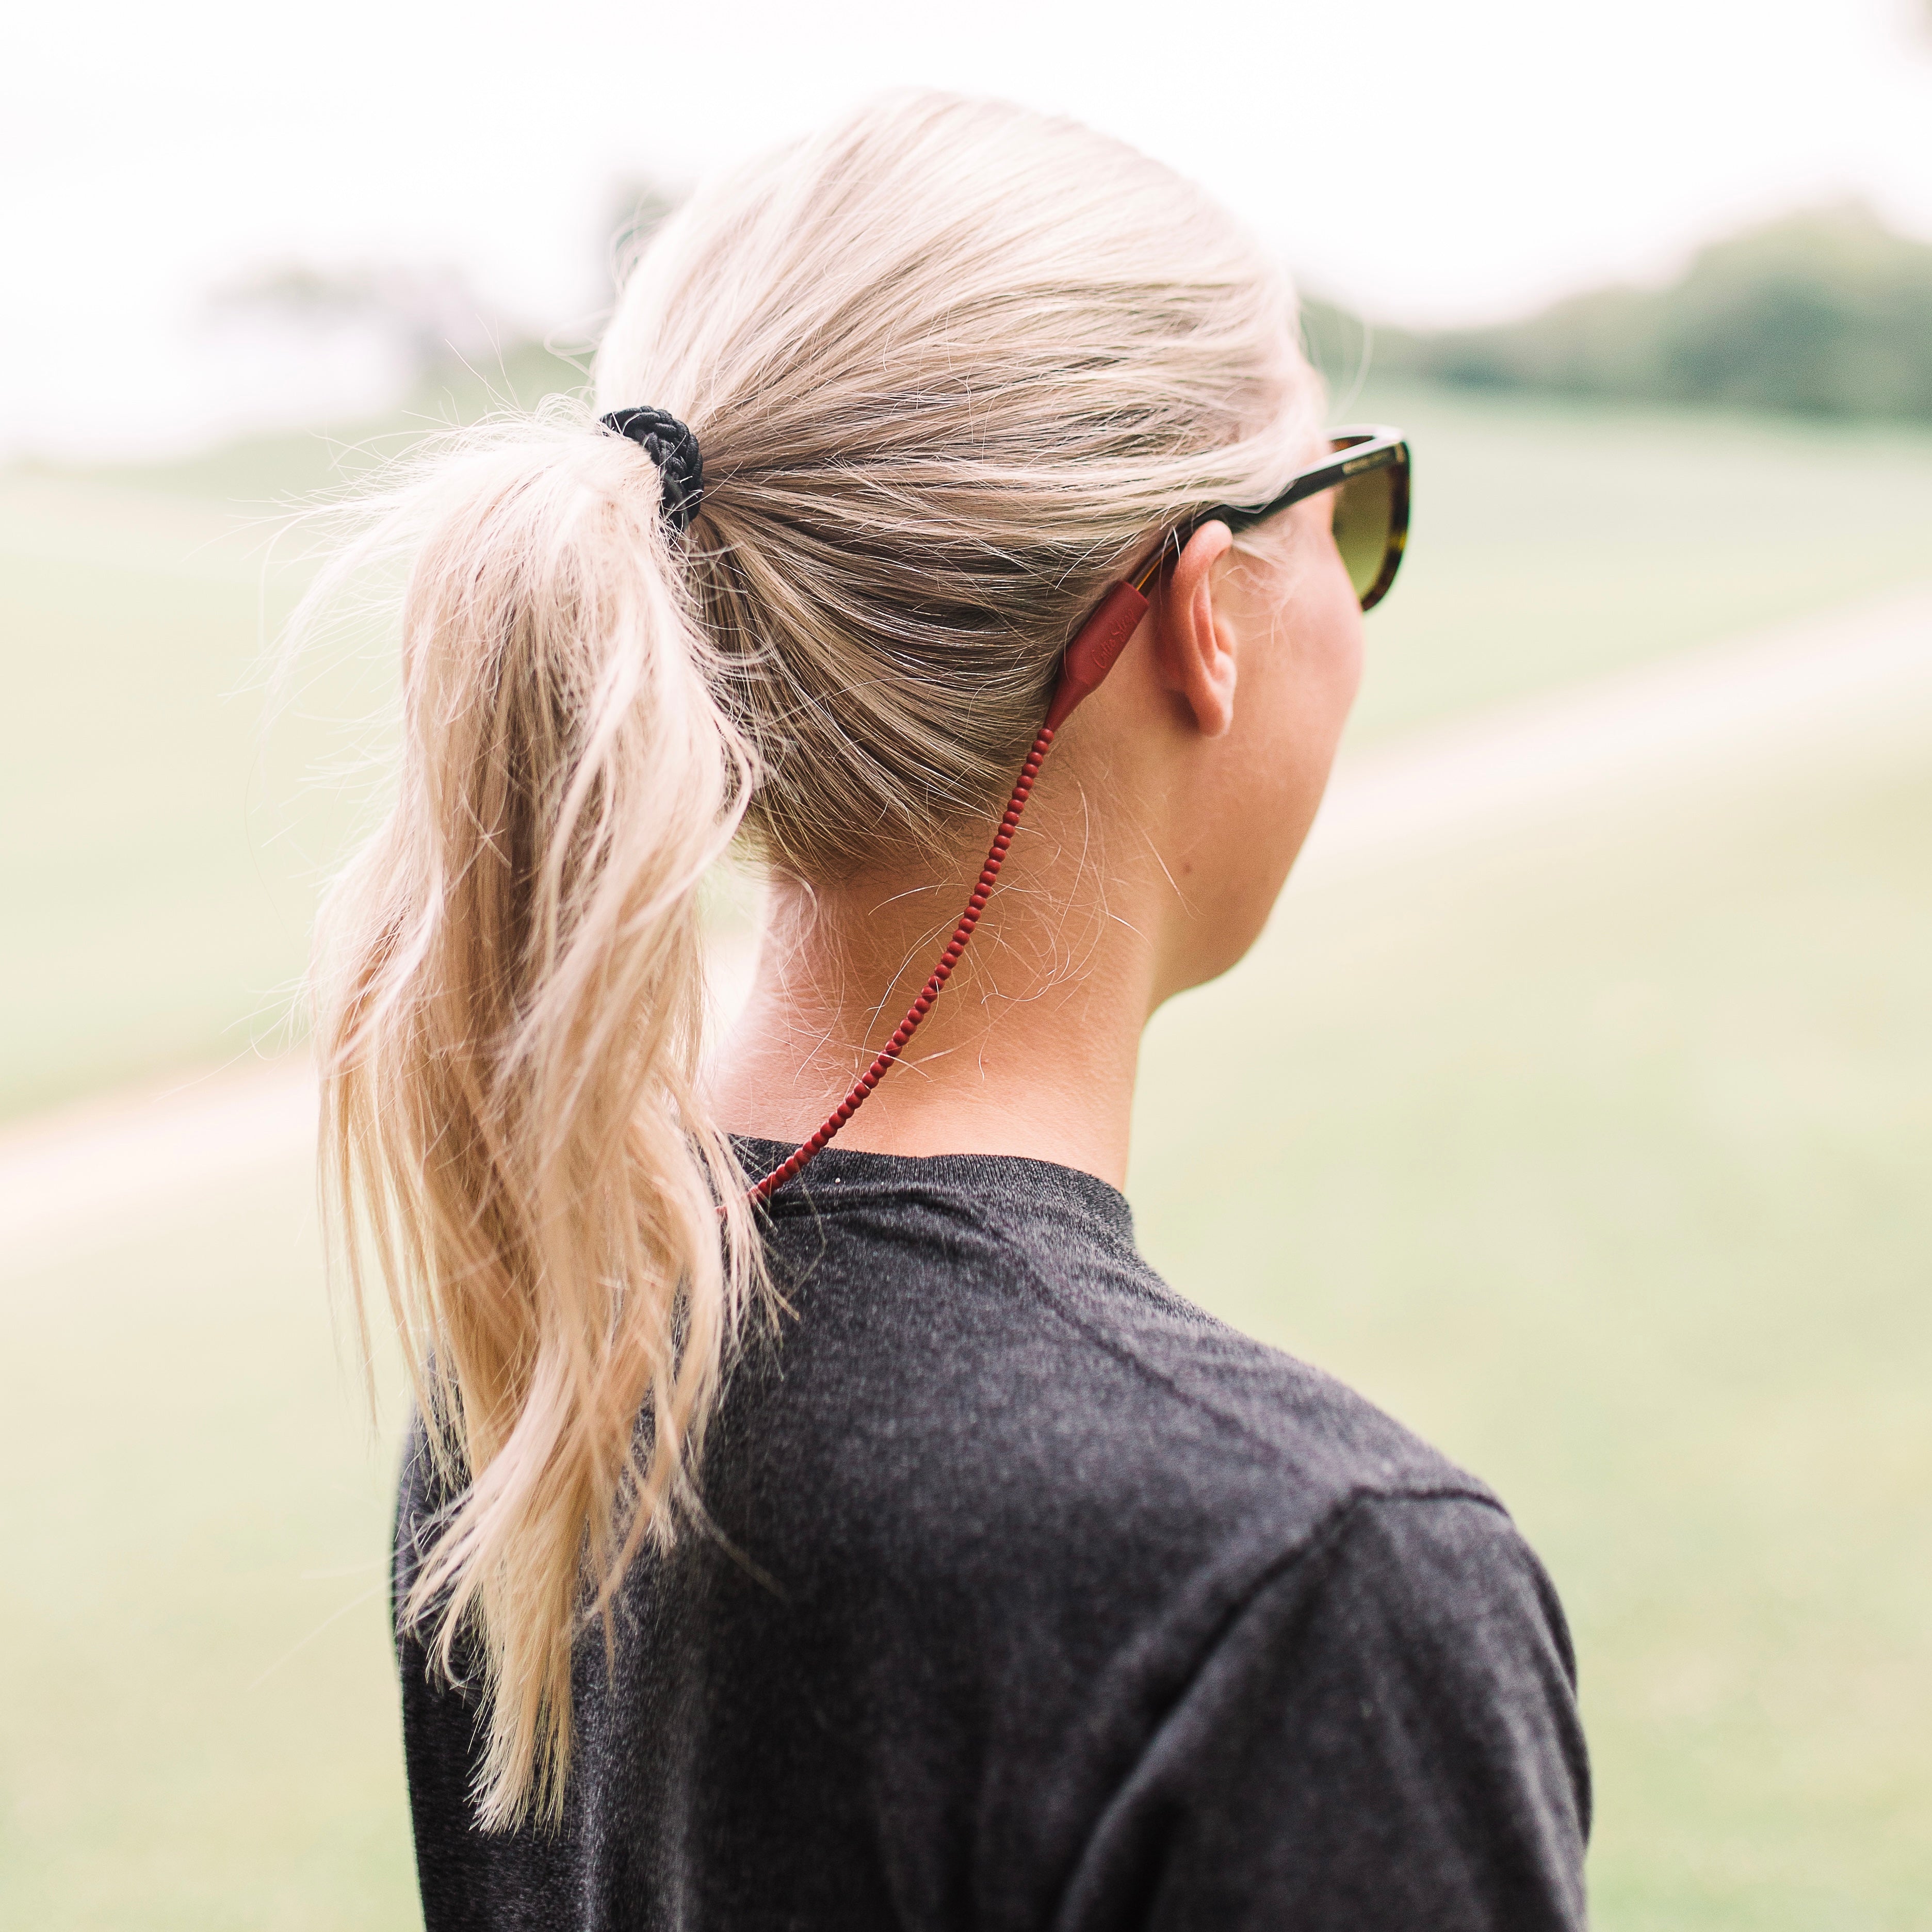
(1825,313)
(460,357)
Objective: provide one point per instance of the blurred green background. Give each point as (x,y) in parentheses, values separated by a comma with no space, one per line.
(1594,1150)
(1822,313)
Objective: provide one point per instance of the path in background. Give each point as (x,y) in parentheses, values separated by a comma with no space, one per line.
(79,1179)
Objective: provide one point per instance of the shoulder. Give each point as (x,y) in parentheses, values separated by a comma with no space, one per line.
(977,1350)
(1011,1506)
(1012,1291)
(1384,1732)
(1433,1607)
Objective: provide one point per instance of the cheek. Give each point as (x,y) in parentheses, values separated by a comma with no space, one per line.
(1327,627)
(1345,662)
(1256,791)
(1312,677)
(1300,697)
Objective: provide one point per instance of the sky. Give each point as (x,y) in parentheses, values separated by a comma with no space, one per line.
(1427,163)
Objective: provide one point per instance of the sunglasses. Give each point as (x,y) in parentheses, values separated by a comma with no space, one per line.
(1368,470)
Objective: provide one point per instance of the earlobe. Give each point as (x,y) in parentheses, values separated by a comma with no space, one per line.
(1197,647)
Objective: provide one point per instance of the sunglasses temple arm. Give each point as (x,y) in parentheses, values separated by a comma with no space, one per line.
(1094,653)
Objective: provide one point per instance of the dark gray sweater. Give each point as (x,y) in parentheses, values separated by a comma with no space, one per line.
(1039,1599)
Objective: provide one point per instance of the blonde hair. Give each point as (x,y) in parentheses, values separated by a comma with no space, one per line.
(950,364)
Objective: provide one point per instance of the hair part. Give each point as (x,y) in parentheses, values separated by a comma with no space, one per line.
(951,364)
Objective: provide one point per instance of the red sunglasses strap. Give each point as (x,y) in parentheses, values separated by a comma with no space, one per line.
(1089,657)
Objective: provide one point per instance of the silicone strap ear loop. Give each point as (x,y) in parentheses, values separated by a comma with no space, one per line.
(1093,653)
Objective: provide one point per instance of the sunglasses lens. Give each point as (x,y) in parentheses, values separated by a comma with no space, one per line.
(1364,523)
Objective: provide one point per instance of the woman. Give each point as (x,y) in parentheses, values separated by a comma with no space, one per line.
(874,1540)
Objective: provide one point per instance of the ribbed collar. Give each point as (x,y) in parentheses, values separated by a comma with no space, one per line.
(847,1176)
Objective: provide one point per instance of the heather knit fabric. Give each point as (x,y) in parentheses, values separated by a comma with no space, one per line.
(1035,1597)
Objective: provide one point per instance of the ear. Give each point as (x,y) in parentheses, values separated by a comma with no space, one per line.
(1194,643)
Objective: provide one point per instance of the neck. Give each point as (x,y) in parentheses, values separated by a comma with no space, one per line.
(1031,1048)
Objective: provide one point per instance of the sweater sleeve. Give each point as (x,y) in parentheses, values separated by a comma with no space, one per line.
(1385,1737)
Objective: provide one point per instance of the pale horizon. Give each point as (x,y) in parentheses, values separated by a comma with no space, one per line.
(1426,168)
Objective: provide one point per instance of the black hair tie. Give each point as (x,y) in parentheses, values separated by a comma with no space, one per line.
(674,450)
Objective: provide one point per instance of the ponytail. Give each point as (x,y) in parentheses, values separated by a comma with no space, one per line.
(509,993)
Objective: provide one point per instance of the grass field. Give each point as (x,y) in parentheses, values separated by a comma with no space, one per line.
(1599,1157)
(159,854)
(1554,542)
(1596,1153)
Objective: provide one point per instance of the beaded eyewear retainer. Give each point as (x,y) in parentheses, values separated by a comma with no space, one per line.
(1369,470)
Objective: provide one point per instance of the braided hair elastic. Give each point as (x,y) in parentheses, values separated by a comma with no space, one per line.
(672,447)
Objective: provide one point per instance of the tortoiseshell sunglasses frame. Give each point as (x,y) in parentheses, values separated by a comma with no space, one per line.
(1354,452)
